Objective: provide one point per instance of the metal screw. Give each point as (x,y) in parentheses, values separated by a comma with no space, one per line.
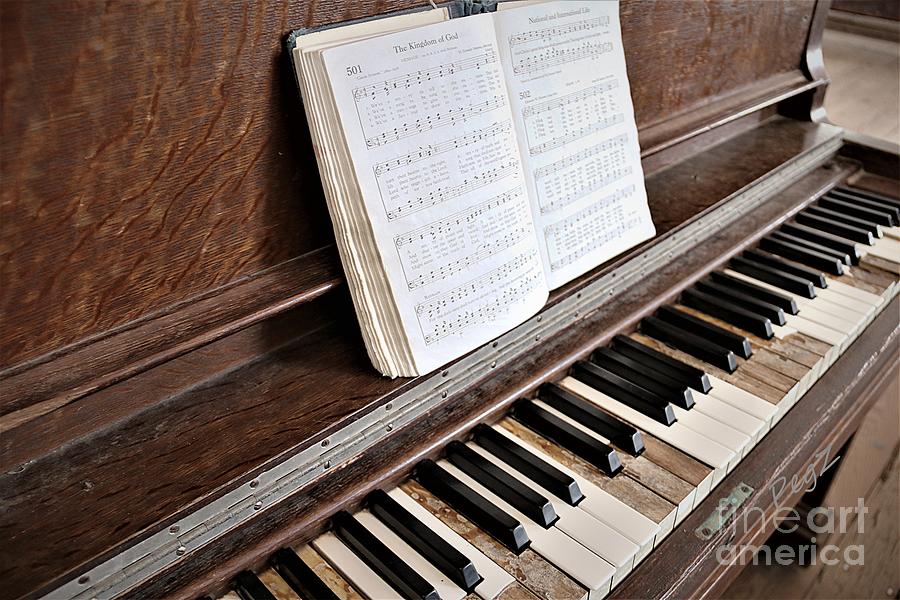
(444,394)
(327,464)
(388,406)
(181,550)
(174,529)
(390,427)
(254,483)
(257,505)
(493,363)
(324,443)
(83,579)
(540,318)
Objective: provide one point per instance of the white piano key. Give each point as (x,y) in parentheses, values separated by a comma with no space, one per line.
(667,524)
(569,556)
(891,232)
(725,413)
(446,588)
(602,505)
(687,440)
(844,289)
(352,568)
(885,251)
(496,579)
(715,430)
(741,399)
(596,536)
(812,312)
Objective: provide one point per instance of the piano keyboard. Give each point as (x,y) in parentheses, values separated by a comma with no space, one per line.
(574,487)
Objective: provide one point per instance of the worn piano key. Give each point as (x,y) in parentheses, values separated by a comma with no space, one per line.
(659,362)
(776,277)
(818,260)
(277,585)
(531,570)
(339,586)
(596,536)
(787,238)
(833,227)
(848,247)
(692,442)
(639,399)
(775,314)
(619,433)
(300,576)
(597,453)
(545,474)
(531,504)
(690,343)
(741,286)
(877,262)
(642,501)
(581,564)
(787,266)
(863,193)
(666,388)
(506,529)
(742,380)
(621,503)
(352,568)
(680,465)
(446,589)
(249,587)
(381,559)
(826,213)
(728,311)
(860,211)
(442,555)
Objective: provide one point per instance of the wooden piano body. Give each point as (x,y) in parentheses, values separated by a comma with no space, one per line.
(175,329)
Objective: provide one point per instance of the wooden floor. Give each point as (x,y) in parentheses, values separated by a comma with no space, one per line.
(864,94)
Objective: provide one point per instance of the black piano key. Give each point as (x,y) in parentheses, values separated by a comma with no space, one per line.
(797,241)
(827,213)
(591,416)
(782,264)
(552,427)
(673,391)
(447,559)
(656,361)
(507,530)
(890,209)
(542,473)
(729,312)
(835,242)
(694,345)
(710,305)
(517,494)
(881,217)
(381,559)
(861,193)
(802,255)
(785,303)
(300,576)
(831,226)
(786,281)
(619,388)
(249,587)
(770,311)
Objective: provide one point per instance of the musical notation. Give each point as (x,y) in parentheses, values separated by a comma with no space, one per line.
(429,122)
(440,195)
(447,246)
(583,232)
(408,80)
(555,55)
(569,179)
(425,152)
(558,31)
(549,124)
(481,300)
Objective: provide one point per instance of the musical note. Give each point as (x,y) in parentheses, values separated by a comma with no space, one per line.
(389,86)
(569,179)
(583,232)
(425,152)
(429,122)
(542,49)
(478,301)
(557,31)
(440,195)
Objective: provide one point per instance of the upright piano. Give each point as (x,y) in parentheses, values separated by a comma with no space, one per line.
(186,406)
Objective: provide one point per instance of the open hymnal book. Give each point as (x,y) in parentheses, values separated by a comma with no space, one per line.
(471,165)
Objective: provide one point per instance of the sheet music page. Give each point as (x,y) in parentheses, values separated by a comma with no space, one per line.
(426,115)
(568,87)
